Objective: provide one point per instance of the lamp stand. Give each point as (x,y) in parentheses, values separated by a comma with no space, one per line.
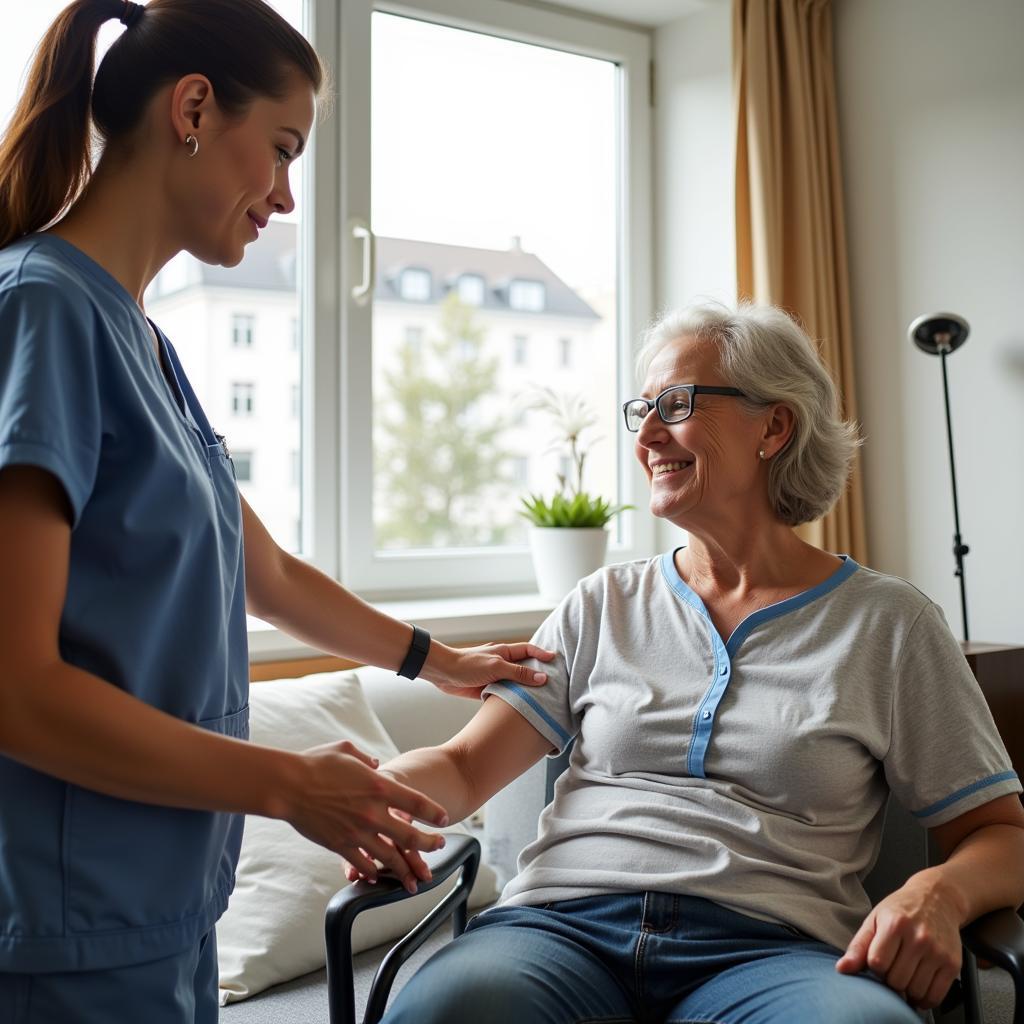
(959,547)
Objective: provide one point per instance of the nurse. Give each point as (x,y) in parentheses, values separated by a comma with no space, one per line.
(128,559)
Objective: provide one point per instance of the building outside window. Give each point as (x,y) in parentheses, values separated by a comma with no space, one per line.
(242,400)
(242,329)
(296,401)
(527,296)
(243,466)
(565,352)
(296,468)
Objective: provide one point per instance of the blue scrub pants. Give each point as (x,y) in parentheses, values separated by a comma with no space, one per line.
(178,989)
(649,957)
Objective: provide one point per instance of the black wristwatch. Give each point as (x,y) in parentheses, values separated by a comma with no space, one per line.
(419,648)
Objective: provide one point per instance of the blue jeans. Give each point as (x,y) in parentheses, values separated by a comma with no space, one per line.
(653,958)
(178,989)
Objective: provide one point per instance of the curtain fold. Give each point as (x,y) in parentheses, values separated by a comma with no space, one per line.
(790,232)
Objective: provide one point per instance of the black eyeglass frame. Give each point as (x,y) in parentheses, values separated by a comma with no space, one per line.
(692,389)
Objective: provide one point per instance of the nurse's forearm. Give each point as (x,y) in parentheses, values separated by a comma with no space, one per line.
(73,725)
(313,608)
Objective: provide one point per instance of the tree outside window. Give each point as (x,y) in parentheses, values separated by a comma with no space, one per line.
(439,460)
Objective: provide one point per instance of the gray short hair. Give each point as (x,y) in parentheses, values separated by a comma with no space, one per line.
(769,357)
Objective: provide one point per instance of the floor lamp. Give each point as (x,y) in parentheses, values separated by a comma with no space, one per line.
(940,334)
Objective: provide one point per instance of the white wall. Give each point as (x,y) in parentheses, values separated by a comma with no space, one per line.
(931,106)
(694,220)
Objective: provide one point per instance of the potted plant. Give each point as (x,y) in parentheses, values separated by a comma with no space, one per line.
(568,535)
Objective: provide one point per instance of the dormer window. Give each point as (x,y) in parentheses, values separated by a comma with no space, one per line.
(471,289)
(527,296)
(414,285)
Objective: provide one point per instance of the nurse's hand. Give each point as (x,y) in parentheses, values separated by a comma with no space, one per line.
(343,803)
(417,866)
(466,671)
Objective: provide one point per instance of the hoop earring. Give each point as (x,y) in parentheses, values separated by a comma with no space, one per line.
(193,142)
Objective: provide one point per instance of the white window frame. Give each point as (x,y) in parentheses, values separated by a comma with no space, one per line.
(337,460)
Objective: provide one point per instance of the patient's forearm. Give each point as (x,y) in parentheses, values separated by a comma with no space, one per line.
(438,773)
(495,747)
(984,872)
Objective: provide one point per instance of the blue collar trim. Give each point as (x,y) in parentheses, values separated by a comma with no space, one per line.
(790,604)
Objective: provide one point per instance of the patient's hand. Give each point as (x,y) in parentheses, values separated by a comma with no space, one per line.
(911,940)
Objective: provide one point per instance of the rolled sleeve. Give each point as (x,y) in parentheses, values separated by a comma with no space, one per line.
(549,708)
(946,756)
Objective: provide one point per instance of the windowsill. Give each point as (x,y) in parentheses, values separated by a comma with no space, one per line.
(450,619)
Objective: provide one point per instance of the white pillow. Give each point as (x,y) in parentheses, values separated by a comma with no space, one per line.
(273,929)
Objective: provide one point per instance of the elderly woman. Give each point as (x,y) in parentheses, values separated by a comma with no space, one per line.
(742,708)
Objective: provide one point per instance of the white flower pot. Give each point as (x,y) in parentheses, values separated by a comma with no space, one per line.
(563,555)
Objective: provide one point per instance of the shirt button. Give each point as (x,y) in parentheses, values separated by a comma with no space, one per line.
(706,715)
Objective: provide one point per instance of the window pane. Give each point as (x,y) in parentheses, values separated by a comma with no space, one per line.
(498,248)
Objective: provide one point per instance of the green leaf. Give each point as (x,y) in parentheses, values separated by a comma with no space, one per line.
(582,510)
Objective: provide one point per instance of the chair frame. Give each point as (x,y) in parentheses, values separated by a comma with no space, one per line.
(997,937)
(345,906)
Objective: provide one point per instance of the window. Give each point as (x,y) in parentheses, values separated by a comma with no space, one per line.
(241,330)
(520,349)
(415,285)
(565,352)
(471,289)
(242,399)
(243,466)
(527,296)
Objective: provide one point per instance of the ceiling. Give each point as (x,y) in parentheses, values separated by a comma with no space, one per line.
(649,13)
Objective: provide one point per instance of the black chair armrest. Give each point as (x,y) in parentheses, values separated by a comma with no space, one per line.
(999,938)
(459,852)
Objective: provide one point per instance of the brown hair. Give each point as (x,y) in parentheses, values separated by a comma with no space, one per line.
(244,47)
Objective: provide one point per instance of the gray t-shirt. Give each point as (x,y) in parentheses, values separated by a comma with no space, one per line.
(752,772)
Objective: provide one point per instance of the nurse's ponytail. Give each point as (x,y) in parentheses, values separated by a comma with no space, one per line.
(244,47)
(45,152)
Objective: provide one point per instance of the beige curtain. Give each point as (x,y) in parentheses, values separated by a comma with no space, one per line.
(790,235)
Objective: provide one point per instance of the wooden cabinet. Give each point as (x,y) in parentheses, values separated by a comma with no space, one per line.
(999,669)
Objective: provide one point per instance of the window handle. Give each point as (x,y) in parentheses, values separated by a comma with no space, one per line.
(361,233)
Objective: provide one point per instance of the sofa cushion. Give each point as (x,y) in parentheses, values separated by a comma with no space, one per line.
(273,929)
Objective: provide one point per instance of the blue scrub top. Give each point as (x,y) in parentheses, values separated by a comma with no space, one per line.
(155,605)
